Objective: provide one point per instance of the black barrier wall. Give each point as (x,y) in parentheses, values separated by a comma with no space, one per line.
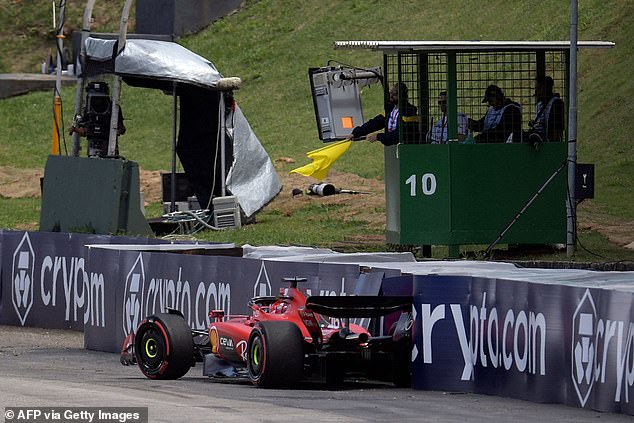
(51,280)
(46,281)
(537,342)
(540,342)
(138,284)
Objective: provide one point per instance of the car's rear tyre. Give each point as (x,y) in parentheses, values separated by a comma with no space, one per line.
(275,355)
(164,347)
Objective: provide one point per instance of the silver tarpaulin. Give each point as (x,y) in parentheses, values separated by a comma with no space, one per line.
(155,59)
(251,176)
(253,189)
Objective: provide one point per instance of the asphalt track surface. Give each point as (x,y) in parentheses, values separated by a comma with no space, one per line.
(45,368)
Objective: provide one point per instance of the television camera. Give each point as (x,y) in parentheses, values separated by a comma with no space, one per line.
(94,124)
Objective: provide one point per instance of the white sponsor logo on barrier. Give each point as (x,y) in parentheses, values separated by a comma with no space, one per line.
(507,340)
(583,347)
(83,292)
(262,285)
(601,349)
(143,298)
(133,296)
(23,269)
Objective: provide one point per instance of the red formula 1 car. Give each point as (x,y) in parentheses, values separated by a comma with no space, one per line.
(284,340)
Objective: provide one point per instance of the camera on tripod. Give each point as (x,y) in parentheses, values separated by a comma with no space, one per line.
(96,118)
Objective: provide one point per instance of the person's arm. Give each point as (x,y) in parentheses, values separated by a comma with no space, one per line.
(375,124)
(510,120)
(488,136)
(78,129)
(476,125)
(389,138)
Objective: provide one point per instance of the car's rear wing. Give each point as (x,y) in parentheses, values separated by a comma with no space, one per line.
(358,305)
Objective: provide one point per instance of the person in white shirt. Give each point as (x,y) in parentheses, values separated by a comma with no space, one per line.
(389,122)
(438,133)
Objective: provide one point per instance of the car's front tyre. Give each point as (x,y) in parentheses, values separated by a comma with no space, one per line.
(164,347)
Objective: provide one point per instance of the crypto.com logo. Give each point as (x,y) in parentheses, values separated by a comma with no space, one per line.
(583,348)
(22,276)
(133,296)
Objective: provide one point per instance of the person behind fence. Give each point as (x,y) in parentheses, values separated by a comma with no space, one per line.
(548,124)
(502,121)
(94,124)
(438,132)
(391,121)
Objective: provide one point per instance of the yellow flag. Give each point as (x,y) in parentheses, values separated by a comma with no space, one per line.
(323,158)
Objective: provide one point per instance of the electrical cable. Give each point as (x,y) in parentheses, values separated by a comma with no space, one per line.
(525,207)
(213,183)
(179,217)
(215,168)
(62,17)
(573,210)
(575,228)
(55,123)
(573,216)
(59,32)
(590,252)
(61,119)
(57,128)
(201,222)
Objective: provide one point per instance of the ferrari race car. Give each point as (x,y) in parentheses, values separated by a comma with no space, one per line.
(285,340)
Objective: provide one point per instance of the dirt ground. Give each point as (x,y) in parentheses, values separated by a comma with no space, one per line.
(368,206)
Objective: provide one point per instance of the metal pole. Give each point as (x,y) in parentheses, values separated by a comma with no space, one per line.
(571,203)
(452,97)
(116,86)
(57,98)
(223,181)
(173,183)
(85,31)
